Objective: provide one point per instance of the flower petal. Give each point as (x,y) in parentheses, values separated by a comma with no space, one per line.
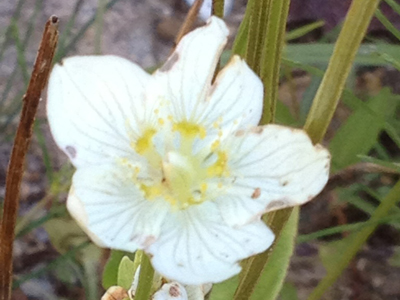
(94,107)
(272,167)
(185,78)
(196,246)
(238,88)
(109,206)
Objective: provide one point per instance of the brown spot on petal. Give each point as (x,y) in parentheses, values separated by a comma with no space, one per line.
(148,241)
(71,151)
(170,62)
(256,193)
(174,290)
(285,183)
(240,133)
(257,130)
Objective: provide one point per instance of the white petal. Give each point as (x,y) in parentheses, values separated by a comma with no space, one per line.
(236,98)
(94,106)
(171,291)
(197,247)
(186,76)
(272,167)
(108,205)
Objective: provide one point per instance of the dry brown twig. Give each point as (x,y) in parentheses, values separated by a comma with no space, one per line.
(15,170)
(191,17)
(354,173)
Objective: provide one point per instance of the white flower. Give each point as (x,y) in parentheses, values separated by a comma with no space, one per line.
(171,290)
(174,164)
(206,7)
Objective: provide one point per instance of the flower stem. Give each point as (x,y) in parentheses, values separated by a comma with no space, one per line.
(145,277)
(218,8)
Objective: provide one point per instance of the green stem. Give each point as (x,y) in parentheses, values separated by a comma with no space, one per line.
(271,55)
(356,241)
(145,278)
(333,82)
(218,8)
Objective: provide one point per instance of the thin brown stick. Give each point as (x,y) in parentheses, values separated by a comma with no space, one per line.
(191,17)
(354,173)
(31,99)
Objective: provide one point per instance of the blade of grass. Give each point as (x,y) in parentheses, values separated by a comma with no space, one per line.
(14,19)
(395,6)
(74,40)
(388,25)
(304,238)
(299,32)
(354,242)
(25,42)
(67,29)
(52,265)
(333,82)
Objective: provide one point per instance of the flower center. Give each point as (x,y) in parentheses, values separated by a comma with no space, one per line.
(183,177)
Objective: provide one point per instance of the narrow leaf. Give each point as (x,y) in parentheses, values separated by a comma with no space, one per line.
(354,242)
(333,83)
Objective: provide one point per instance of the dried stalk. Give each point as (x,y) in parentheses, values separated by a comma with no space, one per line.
(31,99)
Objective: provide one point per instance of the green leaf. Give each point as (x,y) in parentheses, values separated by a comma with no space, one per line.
(273,276)
(126,273)
(224,290)
(110,273)
(359,133)
(273,261)
(145,278)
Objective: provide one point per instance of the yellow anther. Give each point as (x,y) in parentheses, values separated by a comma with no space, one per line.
(151,192)
(219,168)
(215,145)
(161,121)
(189,129)
(203,187)
(144,142)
